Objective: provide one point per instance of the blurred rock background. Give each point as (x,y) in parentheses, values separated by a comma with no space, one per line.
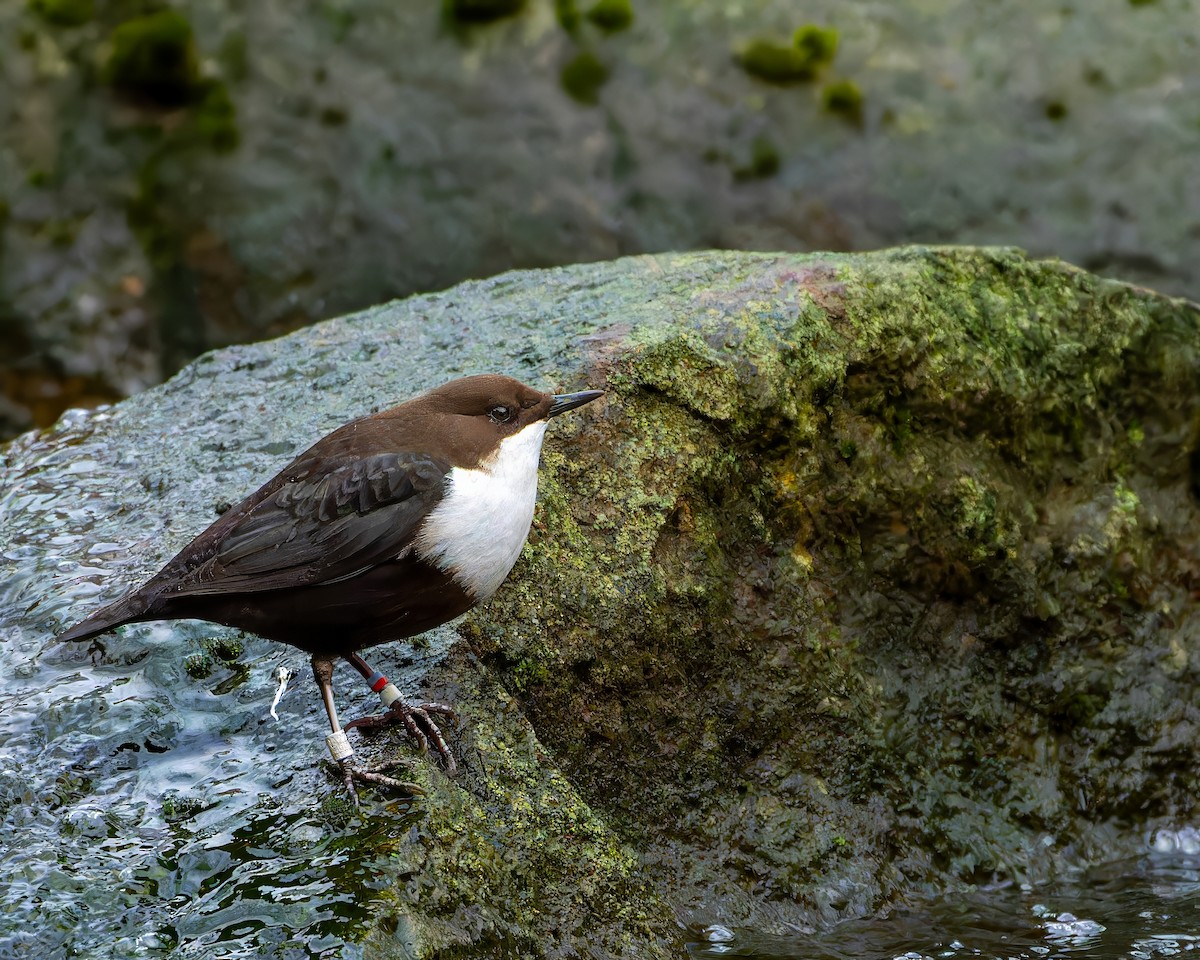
(178,177)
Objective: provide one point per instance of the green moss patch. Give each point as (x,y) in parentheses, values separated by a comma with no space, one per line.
(844,98)
(812,48)
(64,13)
(583,77)
(611,15)
(153,59)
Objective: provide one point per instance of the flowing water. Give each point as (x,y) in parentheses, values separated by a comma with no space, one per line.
(1142,909)
(147,810)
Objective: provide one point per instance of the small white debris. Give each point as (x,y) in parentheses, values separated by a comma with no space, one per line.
(282,675)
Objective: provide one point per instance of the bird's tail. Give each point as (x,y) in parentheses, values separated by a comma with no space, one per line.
(128,609)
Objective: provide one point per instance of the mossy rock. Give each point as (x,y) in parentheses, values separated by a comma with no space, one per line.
(153,59)
(842,549)
(871,575)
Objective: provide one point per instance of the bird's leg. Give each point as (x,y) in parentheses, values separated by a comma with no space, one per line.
(416,719)
(339,743)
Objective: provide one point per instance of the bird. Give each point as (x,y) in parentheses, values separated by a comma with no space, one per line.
(389,526)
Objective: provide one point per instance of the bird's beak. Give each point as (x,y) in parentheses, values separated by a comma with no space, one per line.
(569,401)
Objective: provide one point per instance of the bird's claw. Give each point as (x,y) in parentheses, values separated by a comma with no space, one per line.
(373,775)
(418,722)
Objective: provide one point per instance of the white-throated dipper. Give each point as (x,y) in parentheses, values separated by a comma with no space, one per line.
(389,526)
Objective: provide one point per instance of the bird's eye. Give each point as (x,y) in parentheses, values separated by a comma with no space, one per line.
(501,414)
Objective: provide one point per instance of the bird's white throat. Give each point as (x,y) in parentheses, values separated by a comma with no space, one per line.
(477,531)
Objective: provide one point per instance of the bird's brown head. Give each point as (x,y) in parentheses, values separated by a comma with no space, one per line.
(477,413)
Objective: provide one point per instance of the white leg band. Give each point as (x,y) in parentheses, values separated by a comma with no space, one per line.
(339,746)
(389,695)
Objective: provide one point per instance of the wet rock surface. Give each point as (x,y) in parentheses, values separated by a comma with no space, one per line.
(176,181)
(872,575)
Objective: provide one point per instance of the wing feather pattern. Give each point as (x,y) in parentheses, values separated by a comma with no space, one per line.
(323,527)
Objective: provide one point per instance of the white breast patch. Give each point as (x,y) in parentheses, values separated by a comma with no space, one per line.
(476,533)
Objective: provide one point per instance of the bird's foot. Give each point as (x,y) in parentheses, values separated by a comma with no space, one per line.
(373,774)
(418,722)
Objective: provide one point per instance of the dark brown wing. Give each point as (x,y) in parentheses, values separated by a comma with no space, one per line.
(319,528)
